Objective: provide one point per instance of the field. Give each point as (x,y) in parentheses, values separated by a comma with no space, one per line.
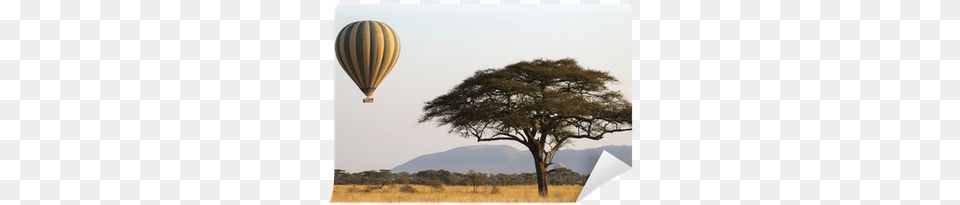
(518,193)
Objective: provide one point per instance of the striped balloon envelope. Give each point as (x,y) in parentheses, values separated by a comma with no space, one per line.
(367,51)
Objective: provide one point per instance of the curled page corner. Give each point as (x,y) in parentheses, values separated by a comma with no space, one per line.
(608,167)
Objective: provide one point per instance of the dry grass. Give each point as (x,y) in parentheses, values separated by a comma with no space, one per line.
(519,193)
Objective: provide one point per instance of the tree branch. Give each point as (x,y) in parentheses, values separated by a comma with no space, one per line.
(618,130)
(599,136)
(494,138)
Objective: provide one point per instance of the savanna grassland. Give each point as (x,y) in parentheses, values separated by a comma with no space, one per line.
(423,193)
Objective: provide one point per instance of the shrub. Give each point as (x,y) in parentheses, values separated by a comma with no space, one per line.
(407,189)
(436,185)
(371,188)
(495,189)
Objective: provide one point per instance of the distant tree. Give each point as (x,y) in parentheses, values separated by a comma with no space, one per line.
(475,179)
(542,104)
(528,178)
(461,179)
(403,178)
(343,177)
(426,175)
(448,177)
(352,179)
(444,176)
(339,176)
(377,178)
(564,176)
(495,179)
(386,177)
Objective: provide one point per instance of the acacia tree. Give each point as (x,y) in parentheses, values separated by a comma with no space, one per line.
(378,179)
(475,179)
(542,104)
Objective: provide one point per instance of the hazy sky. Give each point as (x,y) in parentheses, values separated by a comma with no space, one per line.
(443,44)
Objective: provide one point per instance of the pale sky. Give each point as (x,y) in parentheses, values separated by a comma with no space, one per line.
(443,44)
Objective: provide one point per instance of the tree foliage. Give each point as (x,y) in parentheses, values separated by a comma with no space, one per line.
(542,104)
(529,98)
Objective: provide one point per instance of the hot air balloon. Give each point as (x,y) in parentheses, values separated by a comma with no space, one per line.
(367,51)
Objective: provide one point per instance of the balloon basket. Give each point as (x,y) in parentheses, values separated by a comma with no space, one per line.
(368,100)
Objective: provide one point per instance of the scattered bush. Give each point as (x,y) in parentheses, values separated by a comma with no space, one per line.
(436,185)
(407,189)
(371,188)
(495,189)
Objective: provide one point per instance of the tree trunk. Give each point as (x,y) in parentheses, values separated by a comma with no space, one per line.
(541,175)
(542,180)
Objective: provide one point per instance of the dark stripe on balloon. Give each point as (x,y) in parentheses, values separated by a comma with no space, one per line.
(376,54)
(368,51)
(363,45)
(352,48)
(365,51)
(349,49)
(387,51)
(387,55)
(344,51)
